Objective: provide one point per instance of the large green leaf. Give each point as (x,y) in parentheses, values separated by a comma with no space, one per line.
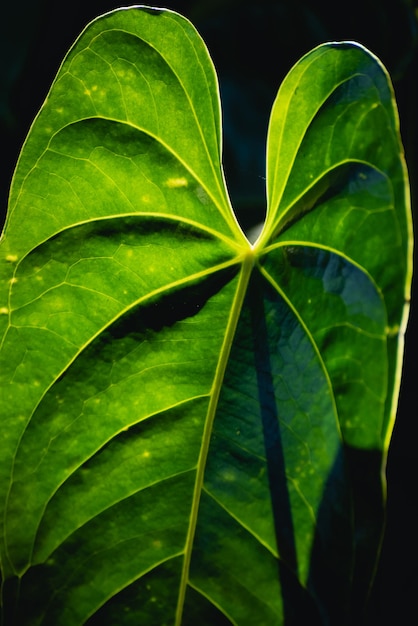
(194,427)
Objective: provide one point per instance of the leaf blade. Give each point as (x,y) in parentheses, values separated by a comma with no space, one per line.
(353,134)
(194,412)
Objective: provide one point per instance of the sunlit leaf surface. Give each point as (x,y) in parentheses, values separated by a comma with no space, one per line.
(193,426)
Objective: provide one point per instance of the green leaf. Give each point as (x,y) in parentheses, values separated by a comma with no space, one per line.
(194,426)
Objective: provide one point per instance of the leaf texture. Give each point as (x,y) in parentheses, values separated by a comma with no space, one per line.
(194,427)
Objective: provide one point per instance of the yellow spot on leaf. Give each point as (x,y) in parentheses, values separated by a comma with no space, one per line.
(11,258)
(392,331)
(174,183)
(4,310)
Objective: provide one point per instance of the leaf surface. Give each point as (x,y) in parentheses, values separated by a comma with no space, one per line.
(195,426)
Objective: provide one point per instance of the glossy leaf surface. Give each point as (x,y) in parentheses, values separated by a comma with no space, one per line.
(194,426)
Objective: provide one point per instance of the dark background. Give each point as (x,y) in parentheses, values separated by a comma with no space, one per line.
(253,45)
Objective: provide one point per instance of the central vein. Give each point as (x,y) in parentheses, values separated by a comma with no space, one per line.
(244,277)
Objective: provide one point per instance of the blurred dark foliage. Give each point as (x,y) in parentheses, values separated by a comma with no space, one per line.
(253,45)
